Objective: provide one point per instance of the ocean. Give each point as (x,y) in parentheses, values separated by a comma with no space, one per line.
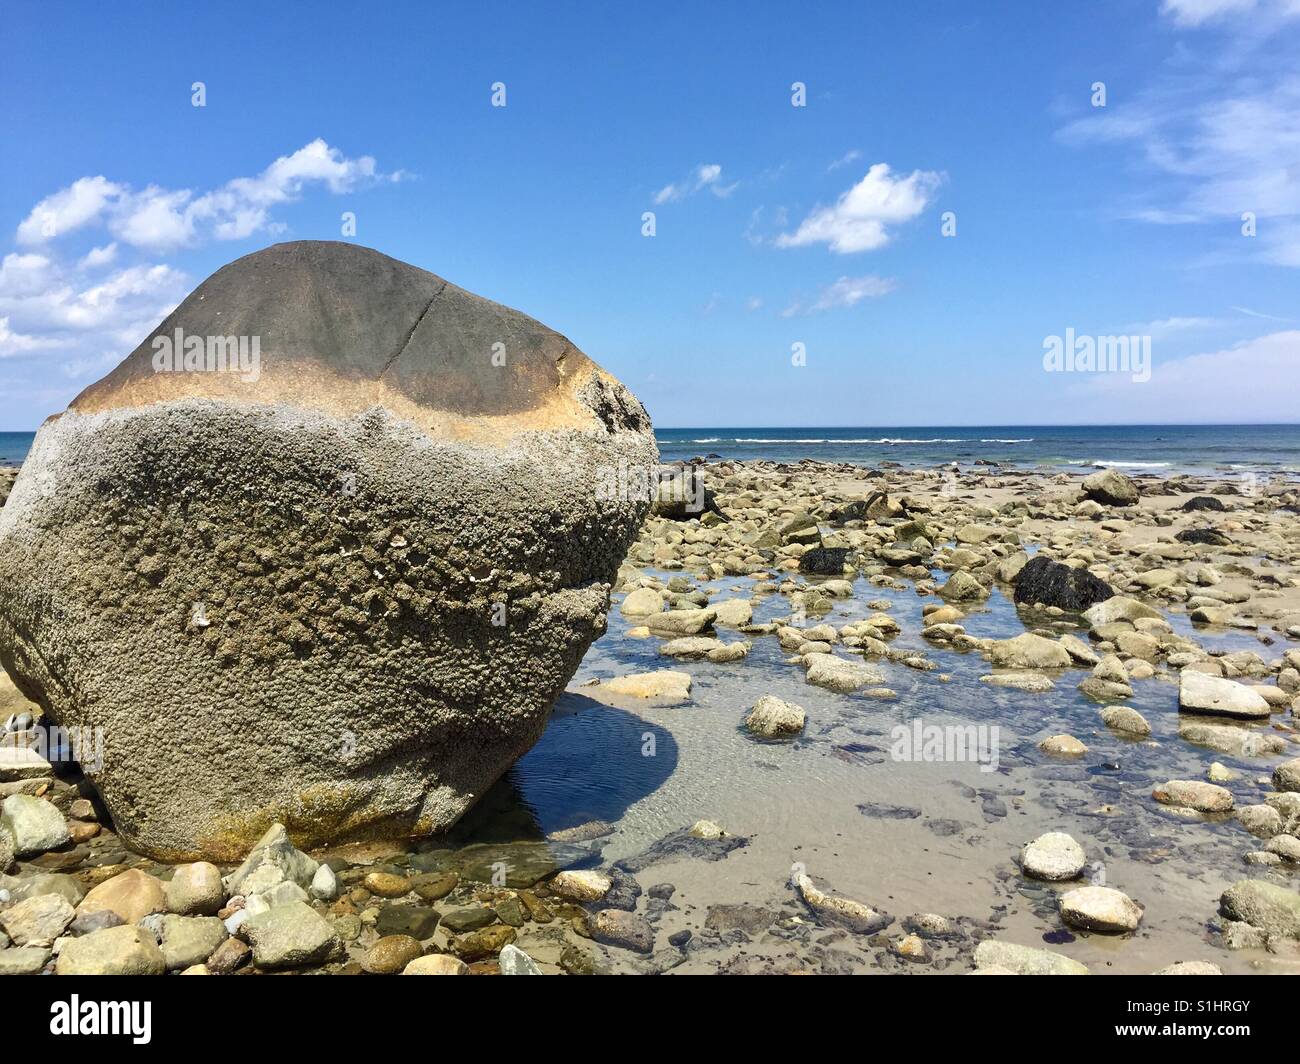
(1162,449)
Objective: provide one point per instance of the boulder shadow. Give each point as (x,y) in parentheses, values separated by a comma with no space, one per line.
(591,764)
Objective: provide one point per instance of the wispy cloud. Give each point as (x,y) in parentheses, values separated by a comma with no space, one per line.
(846,292)
(1219,138)
(705,176)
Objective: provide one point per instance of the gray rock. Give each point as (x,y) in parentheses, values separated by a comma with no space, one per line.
(33,823)
(195,890)
(1127,720)
(962,587)
(1262,821)
(1267,906)
(1286,777)
(1028,651)
(23,960)
(773,717)
(124,950)
(190,940)
(1110,487)
(837,674)
(28,886)
(37,921)
(1025,960)
(290,936)
(1194,794)
(87,923)
(422,516)
(273,860)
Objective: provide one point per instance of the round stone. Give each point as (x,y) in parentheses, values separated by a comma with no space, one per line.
(1054,856)
(1100,909)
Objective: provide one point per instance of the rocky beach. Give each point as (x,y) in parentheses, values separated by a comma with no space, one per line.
(843,719)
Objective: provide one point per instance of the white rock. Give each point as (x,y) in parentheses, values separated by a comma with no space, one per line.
(1054,856)
(1200,693)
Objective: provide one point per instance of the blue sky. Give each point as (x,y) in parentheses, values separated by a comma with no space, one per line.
(775,225)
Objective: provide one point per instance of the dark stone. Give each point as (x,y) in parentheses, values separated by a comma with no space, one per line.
(230,956)
(1048,583)
(469,918)
(624,891)
(1203,502)
(408,920)
(86,923)
(880,811)
(854,511)
(748,918)
(614,927)
(682,494)
(682,844)
(1209,536)
(875,507)
(824,561)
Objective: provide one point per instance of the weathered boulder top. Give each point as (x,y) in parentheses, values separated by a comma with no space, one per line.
(344,328)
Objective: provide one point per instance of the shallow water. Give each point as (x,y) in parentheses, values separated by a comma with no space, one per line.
(906,836)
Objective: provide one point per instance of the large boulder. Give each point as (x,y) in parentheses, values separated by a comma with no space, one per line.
(1044,582)
(1110,487)
(337,585)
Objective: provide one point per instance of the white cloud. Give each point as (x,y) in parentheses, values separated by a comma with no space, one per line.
(24,275)
(97,257)
(66,310)
(160,219)
(860,218)
(844,160)
(705,176)
(12,343)
(80,203)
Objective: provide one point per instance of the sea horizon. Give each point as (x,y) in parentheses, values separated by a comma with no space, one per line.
(1170,449)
